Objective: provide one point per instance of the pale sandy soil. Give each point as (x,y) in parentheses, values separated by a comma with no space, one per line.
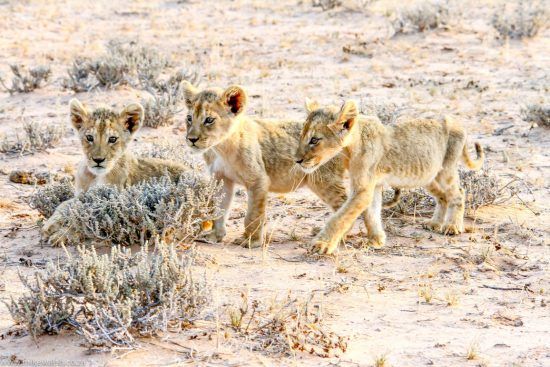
(282,52)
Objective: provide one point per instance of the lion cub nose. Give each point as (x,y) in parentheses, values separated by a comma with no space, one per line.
(300,161)
(193,140)
(99,160)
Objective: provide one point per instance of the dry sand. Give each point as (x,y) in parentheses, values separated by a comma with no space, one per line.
(489,289)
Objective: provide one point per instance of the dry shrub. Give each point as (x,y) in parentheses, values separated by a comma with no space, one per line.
(481,189)
(47,198)
(157,207)
(25,81)
(170,150)
(37,137)
(536,114)
(111,299)
(167,96)
(326,4)
(123,62)
(523,20)
(285,326)
(422,17)
(387,113)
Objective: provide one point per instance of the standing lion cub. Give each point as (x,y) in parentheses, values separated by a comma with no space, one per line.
(105,136)
(254,153)
(410,154)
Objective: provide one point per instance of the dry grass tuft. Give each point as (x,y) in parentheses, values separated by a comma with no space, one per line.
(285,326)
(524,20)
(110,300)
(536,114)
(422,17)
(37,137)
(25,81)
(158,207)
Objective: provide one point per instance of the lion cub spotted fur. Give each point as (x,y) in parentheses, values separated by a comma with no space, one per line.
(256,154)
(105,136)
(410,154)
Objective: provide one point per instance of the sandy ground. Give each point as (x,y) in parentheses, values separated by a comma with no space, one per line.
(489,288)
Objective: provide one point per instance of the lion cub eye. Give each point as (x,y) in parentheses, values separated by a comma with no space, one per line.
(89,138)
(314,141)
(113,139)
(189,119)
(209,120)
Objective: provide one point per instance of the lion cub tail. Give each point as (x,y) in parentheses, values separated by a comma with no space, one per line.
(473,164)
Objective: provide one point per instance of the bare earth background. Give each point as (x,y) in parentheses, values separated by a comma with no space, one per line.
(283,51)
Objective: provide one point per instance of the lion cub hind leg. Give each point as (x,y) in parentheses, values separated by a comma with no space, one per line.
(454,217)
(376,236)
(438,219)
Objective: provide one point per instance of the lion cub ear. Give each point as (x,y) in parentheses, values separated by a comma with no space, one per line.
(132,116)
(346,117)
(79,114)
(311,105)
(234,98)
(189,93)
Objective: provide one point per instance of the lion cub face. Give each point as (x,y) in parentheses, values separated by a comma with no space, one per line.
(105,134)
(211,115)
(324,134)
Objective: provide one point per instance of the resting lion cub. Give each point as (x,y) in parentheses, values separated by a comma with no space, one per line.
(105,136)
(410,154)
(256,154)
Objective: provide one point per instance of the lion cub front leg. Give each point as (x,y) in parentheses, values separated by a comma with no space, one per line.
(219,231)
(255,217)
(339,224)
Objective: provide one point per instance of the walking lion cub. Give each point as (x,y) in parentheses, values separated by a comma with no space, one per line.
(410,154)
(105,136)
(256,154)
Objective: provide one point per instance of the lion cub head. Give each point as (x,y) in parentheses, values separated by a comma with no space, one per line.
(104,134)
(324,134)
(212,115)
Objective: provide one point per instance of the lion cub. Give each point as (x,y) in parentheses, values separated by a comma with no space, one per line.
(410,154)
(105,136)
(256,154)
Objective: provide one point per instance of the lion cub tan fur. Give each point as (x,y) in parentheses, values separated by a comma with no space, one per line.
(256,154)
(410,154)
(105,136)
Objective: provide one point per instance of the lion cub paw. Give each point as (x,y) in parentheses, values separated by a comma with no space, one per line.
(451,229)
(251,243)
(323,247)
(376,241)
(433,226)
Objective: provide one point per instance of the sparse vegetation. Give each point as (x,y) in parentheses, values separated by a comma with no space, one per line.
(158,207)
(37,137)
(25,81)
(481,189)
(291,324)
(422,17)
(110,300)
(536,114)
(381,361)
(522,20)
(471,353)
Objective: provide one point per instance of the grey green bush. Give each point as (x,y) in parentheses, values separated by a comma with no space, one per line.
(112,299)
